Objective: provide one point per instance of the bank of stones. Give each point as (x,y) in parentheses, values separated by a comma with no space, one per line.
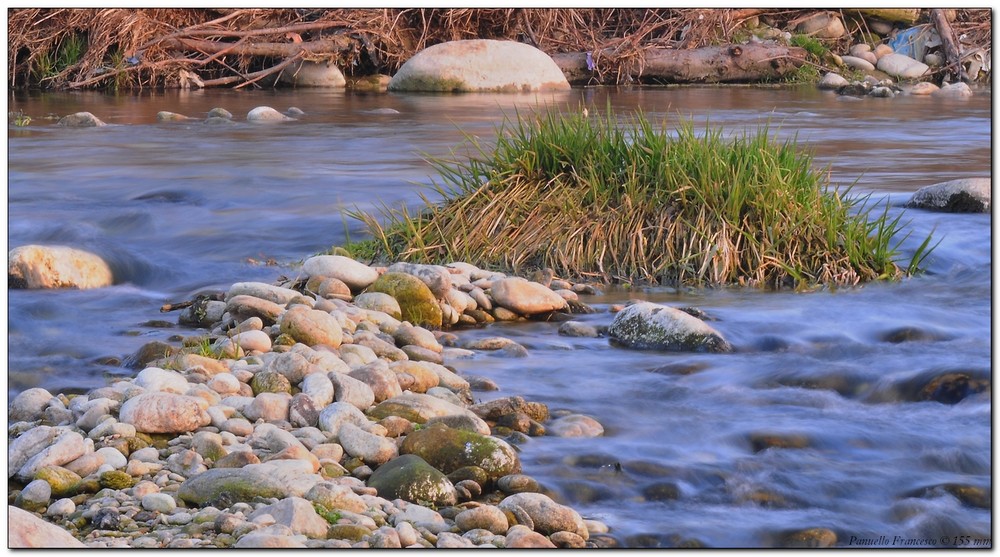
(267,435)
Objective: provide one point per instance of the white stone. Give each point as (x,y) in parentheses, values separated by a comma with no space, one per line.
(113,457)
(319,388)
(262,290)
(165,413)
(857,63)
(154,379)
(953,91)
(313,74)
(902,66)
(266,114)
(28,405)
(34,266)
(372,449)
(479,65)
(159,502)
(525,297)
(25,531)
(312,327)
(335,415)
(357,276)
(831,81)
(224,384)
(575,425)
(253,341)
(65,446)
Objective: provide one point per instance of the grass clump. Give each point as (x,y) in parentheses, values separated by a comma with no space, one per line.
(811,45)
(589,197)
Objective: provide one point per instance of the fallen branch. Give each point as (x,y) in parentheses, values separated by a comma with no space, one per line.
(952,52)
(710,64)
(252,77)
(333,45)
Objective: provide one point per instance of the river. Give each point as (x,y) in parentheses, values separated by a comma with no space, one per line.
(180,207)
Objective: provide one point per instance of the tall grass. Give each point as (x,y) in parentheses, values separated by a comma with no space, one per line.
(630,201)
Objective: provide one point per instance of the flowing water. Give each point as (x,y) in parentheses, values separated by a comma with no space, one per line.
(181,207)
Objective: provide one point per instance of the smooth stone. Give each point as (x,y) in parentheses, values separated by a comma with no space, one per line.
(525,297)
(518,483)
(965,195)
(352,391)
(421,354)
(575,425)
(548,516)
(649,326)
(85,465)
(407,334)
(266,114)
(858,48)
(262,290)
(28,405)
(80,120)
(417,408)
(411,478)
(224,384)
(50,447)
(933,59)
(154,379)
(44,267)
(292,365)
(61,508)
(420,517)
(336,497)
(278,478)
(379,301)
(243,307)
(901,66)
(62,481)
(357,276)
(334,288)
(165,413)
(112,457)
(219,113)
(313,74)
(953,91)
(296,513)
(858,63)
(446,378)
(382,348)
(35,495)
(480,65)
(522,537)
(258,341)
(165,116)
(486,517)
(27,531)
(158,502)
(312,327)
(334,416)
(822,25)
(379,378)
(302,411)
(385,537)
(264,540)
(882,50)
(319,388)
(449,449)
(832,81)
(414,377)
(924,88)
(417,303)
(372,449)
(578,329)
(436,277)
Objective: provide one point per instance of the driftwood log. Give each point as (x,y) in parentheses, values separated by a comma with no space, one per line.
(710,64)
(952,53)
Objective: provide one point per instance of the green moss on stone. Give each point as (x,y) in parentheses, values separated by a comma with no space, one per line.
(62,481)
(449,449)
(416,301)
(116,479)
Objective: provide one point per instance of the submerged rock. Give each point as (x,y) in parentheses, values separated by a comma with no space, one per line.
(35,266)
(81,120)
(313,74)
(649,326)
(266,114)
(479,65)
(966,195)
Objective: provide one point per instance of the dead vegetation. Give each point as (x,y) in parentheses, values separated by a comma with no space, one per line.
(118,48)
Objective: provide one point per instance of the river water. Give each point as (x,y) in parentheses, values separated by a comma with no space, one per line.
(182,207)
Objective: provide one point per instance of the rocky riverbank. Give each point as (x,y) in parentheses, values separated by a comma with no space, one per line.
(319,412)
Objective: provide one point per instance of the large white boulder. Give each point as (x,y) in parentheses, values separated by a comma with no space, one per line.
(480,65)
(34,266)
(313,74)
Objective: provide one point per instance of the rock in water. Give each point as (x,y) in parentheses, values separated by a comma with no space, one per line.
(480,65)
(313,74)
(81,120)
(36,266)
(526,297)
(649,326)
(967,195)
(266,114)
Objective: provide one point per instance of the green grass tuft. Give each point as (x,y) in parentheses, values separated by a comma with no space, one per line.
(811,45)
(630,201)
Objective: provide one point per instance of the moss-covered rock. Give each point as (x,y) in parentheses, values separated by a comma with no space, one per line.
(449,449)
(270,382)
(416,301)
(62,481)
(116,479)
(411,478)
